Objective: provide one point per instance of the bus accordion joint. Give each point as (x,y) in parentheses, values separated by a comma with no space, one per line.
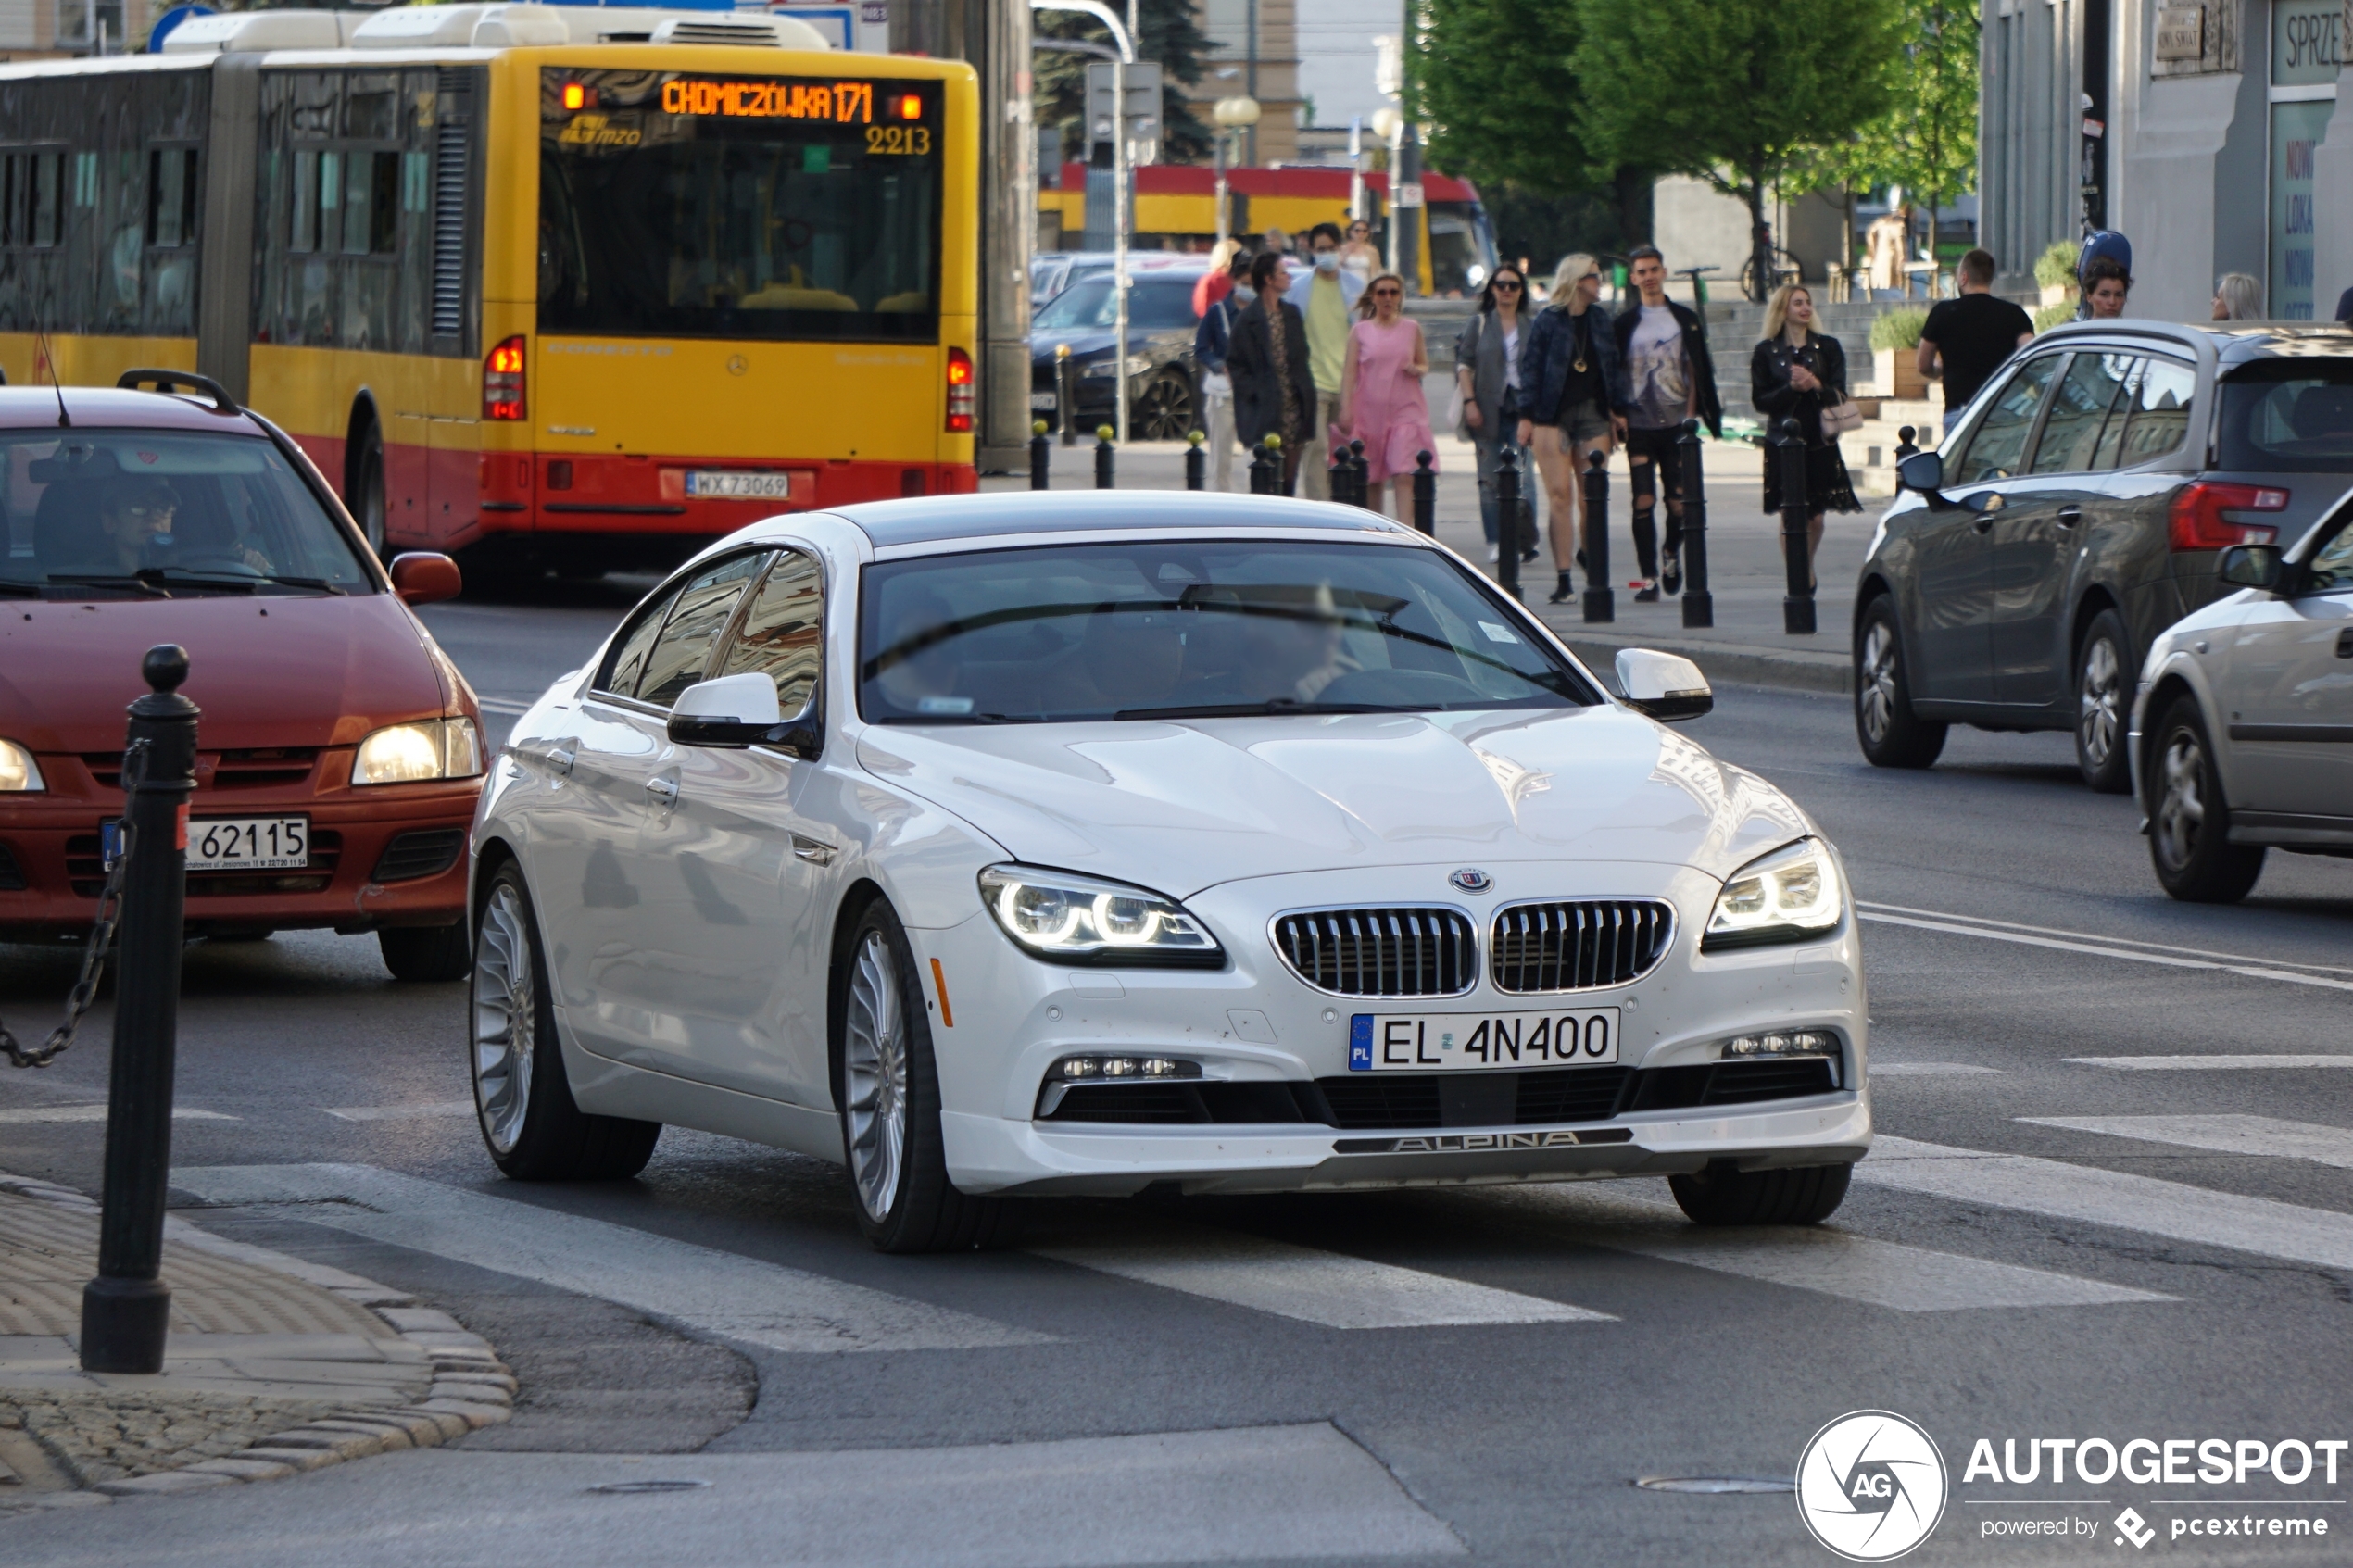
(959,392)
(502,382)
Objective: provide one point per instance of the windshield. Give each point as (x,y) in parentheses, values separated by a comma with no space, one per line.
(1172,628)
(156,513)
(2288,416)
(1153,304)
(681,206)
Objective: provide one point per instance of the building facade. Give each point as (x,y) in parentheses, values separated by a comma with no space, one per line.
(2204,130)
(1257,54)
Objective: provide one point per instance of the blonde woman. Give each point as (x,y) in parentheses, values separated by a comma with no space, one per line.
(1795,373)
(2237,298)
(1381,398)
(1573,396)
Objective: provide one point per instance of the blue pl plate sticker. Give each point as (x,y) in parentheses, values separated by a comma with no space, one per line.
(110,850)
(1360,1042)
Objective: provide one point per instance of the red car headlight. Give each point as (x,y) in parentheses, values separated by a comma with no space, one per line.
(415,753)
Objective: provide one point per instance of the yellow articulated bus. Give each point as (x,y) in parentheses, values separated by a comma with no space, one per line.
(557,287)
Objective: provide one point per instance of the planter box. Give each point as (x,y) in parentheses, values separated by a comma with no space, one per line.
(2057,293)
(1896,372)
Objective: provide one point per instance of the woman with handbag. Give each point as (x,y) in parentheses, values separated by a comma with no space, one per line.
(1797,373)
(1380,400)
(1212,341)
(1487,387)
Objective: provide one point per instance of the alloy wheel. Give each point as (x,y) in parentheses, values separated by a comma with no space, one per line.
(1875,684)
(874,1070)
(2180,805)
(504,1018)
(1164,409)
(2098,701)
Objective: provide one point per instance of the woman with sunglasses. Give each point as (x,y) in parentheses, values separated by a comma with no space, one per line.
(1381,399)
(1487,371)
(1577,395)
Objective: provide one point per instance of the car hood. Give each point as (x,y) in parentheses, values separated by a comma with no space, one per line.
(1179,807)
(267,671)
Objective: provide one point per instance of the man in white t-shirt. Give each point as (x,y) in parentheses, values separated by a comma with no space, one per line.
(1664,350)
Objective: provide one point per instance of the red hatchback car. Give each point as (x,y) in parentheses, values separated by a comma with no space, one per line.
(340,753)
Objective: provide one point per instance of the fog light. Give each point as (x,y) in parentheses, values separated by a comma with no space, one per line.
(1071,1068)
(1079,1067)
(1783,1043)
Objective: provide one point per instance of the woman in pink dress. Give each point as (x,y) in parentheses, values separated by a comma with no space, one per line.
(1381,402)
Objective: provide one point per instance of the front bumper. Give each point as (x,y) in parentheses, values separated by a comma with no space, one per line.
(1257,1023)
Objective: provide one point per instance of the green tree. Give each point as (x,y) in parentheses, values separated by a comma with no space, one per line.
(1927,140)
(1737,92)
(1166,31)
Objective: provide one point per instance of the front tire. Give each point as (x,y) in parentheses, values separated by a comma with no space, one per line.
(1806,1195)
(1889,733)
(2189,820)
(2104,682)
(1164,410)
(426,952)
(888,1087)
(522,1100)
(369,505)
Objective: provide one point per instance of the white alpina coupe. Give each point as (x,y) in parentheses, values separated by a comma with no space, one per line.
(1063,843)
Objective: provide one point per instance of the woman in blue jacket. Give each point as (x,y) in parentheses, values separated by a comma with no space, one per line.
(1574,398)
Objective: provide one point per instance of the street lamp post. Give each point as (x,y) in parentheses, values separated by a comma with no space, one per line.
(1388,125)
(1234,116)
(1125,58)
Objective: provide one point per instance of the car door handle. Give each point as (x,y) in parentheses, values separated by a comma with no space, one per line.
(2070,515)
(1984,521)
(664,792)
(2344,643)
(816,851)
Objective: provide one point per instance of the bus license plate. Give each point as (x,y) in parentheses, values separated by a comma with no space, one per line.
(1439,1042)
(731,486)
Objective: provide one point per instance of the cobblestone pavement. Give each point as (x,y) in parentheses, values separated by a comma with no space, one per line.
(272,1366)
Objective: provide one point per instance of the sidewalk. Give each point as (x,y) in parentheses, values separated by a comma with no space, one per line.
(272,1366)
(1746,646)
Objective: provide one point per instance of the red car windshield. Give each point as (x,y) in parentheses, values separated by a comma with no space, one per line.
(175,513)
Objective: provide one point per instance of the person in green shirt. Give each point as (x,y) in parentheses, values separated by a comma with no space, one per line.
(1326,296)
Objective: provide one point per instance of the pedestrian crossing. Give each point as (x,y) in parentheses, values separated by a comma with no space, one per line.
(27,1115)
(2245,1063)
(2263,1135)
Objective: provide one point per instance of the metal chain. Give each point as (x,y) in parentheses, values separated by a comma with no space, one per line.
(94,957)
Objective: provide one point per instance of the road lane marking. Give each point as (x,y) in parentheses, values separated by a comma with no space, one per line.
(1313,1286)
(401,1112)
(2250,1062)
(501,705)
(19,1114)
(2059,1190)
(1829,1262)
(2332,976)
(701,1288)
(1928,1068)
(2264,1135)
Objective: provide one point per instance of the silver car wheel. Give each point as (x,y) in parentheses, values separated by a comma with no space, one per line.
(2095,721)
(2181,805)
(504,1018)
(1875,687)
(874,1069)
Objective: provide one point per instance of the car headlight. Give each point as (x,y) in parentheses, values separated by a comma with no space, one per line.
(18,771)
(1789,896)
(1137,365)
(430,749)
(1084,920)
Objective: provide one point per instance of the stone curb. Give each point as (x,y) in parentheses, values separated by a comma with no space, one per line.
(1734,664)
(471,1390)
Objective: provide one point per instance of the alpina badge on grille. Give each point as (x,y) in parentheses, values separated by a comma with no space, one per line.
(1421,1042)
(1470,879)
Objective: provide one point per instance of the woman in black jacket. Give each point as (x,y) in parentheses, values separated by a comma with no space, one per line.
(1274,393)
(1794,374)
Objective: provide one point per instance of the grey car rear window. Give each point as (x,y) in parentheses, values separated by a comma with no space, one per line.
(2288,416)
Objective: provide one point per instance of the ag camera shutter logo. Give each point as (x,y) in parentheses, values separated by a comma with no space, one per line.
(1871,1486)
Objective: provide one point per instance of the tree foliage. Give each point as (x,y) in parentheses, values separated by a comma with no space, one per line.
(1167,32)
(1927,142)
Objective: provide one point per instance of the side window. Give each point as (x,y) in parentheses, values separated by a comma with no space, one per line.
(1997,450)
(782,632)
(2332,564)
(2160,405)
(2071,440)
(705,605)
(2126,369)
(626,664)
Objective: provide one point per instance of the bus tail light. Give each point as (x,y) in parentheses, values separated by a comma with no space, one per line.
(2195,521)
(959,392)
(502,390)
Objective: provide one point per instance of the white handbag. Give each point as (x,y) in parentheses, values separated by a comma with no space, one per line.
(1840,417)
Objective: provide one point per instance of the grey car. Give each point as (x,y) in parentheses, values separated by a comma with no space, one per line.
(2076,512)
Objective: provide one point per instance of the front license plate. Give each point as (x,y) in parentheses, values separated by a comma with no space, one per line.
(729,485)
(249,844)
(1439,1042)
(1041,402)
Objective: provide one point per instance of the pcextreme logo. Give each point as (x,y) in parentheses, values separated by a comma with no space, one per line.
(1871,1486)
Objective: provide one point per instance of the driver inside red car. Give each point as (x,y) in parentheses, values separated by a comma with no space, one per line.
(133,513)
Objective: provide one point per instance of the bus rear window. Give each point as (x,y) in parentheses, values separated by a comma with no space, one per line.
(2288,416)
(673,206)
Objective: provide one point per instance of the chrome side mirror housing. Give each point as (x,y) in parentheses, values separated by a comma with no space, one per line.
(736,711)
(1665,686)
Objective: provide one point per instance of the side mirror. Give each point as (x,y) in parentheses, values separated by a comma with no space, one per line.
(2250,566)
(735,711)
(1923,471)
(420,577)
(1665,685)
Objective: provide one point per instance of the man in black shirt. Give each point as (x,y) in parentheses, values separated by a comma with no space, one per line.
(1972,334)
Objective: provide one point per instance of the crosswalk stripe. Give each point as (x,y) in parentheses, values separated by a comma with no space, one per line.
(401,1112)
(2101,947)
(2222,1134)
(1300,1282)
(2253,1062)
(1830,1261)
(2272,965)
(15,1115)
(1928,1068)
(2147,1204)
(723,1292)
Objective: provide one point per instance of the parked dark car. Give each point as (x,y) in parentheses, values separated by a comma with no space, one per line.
(2076,512)
(1160,382)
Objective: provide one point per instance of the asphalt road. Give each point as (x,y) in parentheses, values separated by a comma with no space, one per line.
(1162,1381)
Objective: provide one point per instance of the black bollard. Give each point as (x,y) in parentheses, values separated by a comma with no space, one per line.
(1904,444)
(1105,456)
(1040,454)
(1262,476)
(1508,520)
(1065,395)
(1425,495)
(1797,600)
(1359,484)
(1196,461)
(123,1309)
(1336,478)
(1699,605)
(1600,603)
